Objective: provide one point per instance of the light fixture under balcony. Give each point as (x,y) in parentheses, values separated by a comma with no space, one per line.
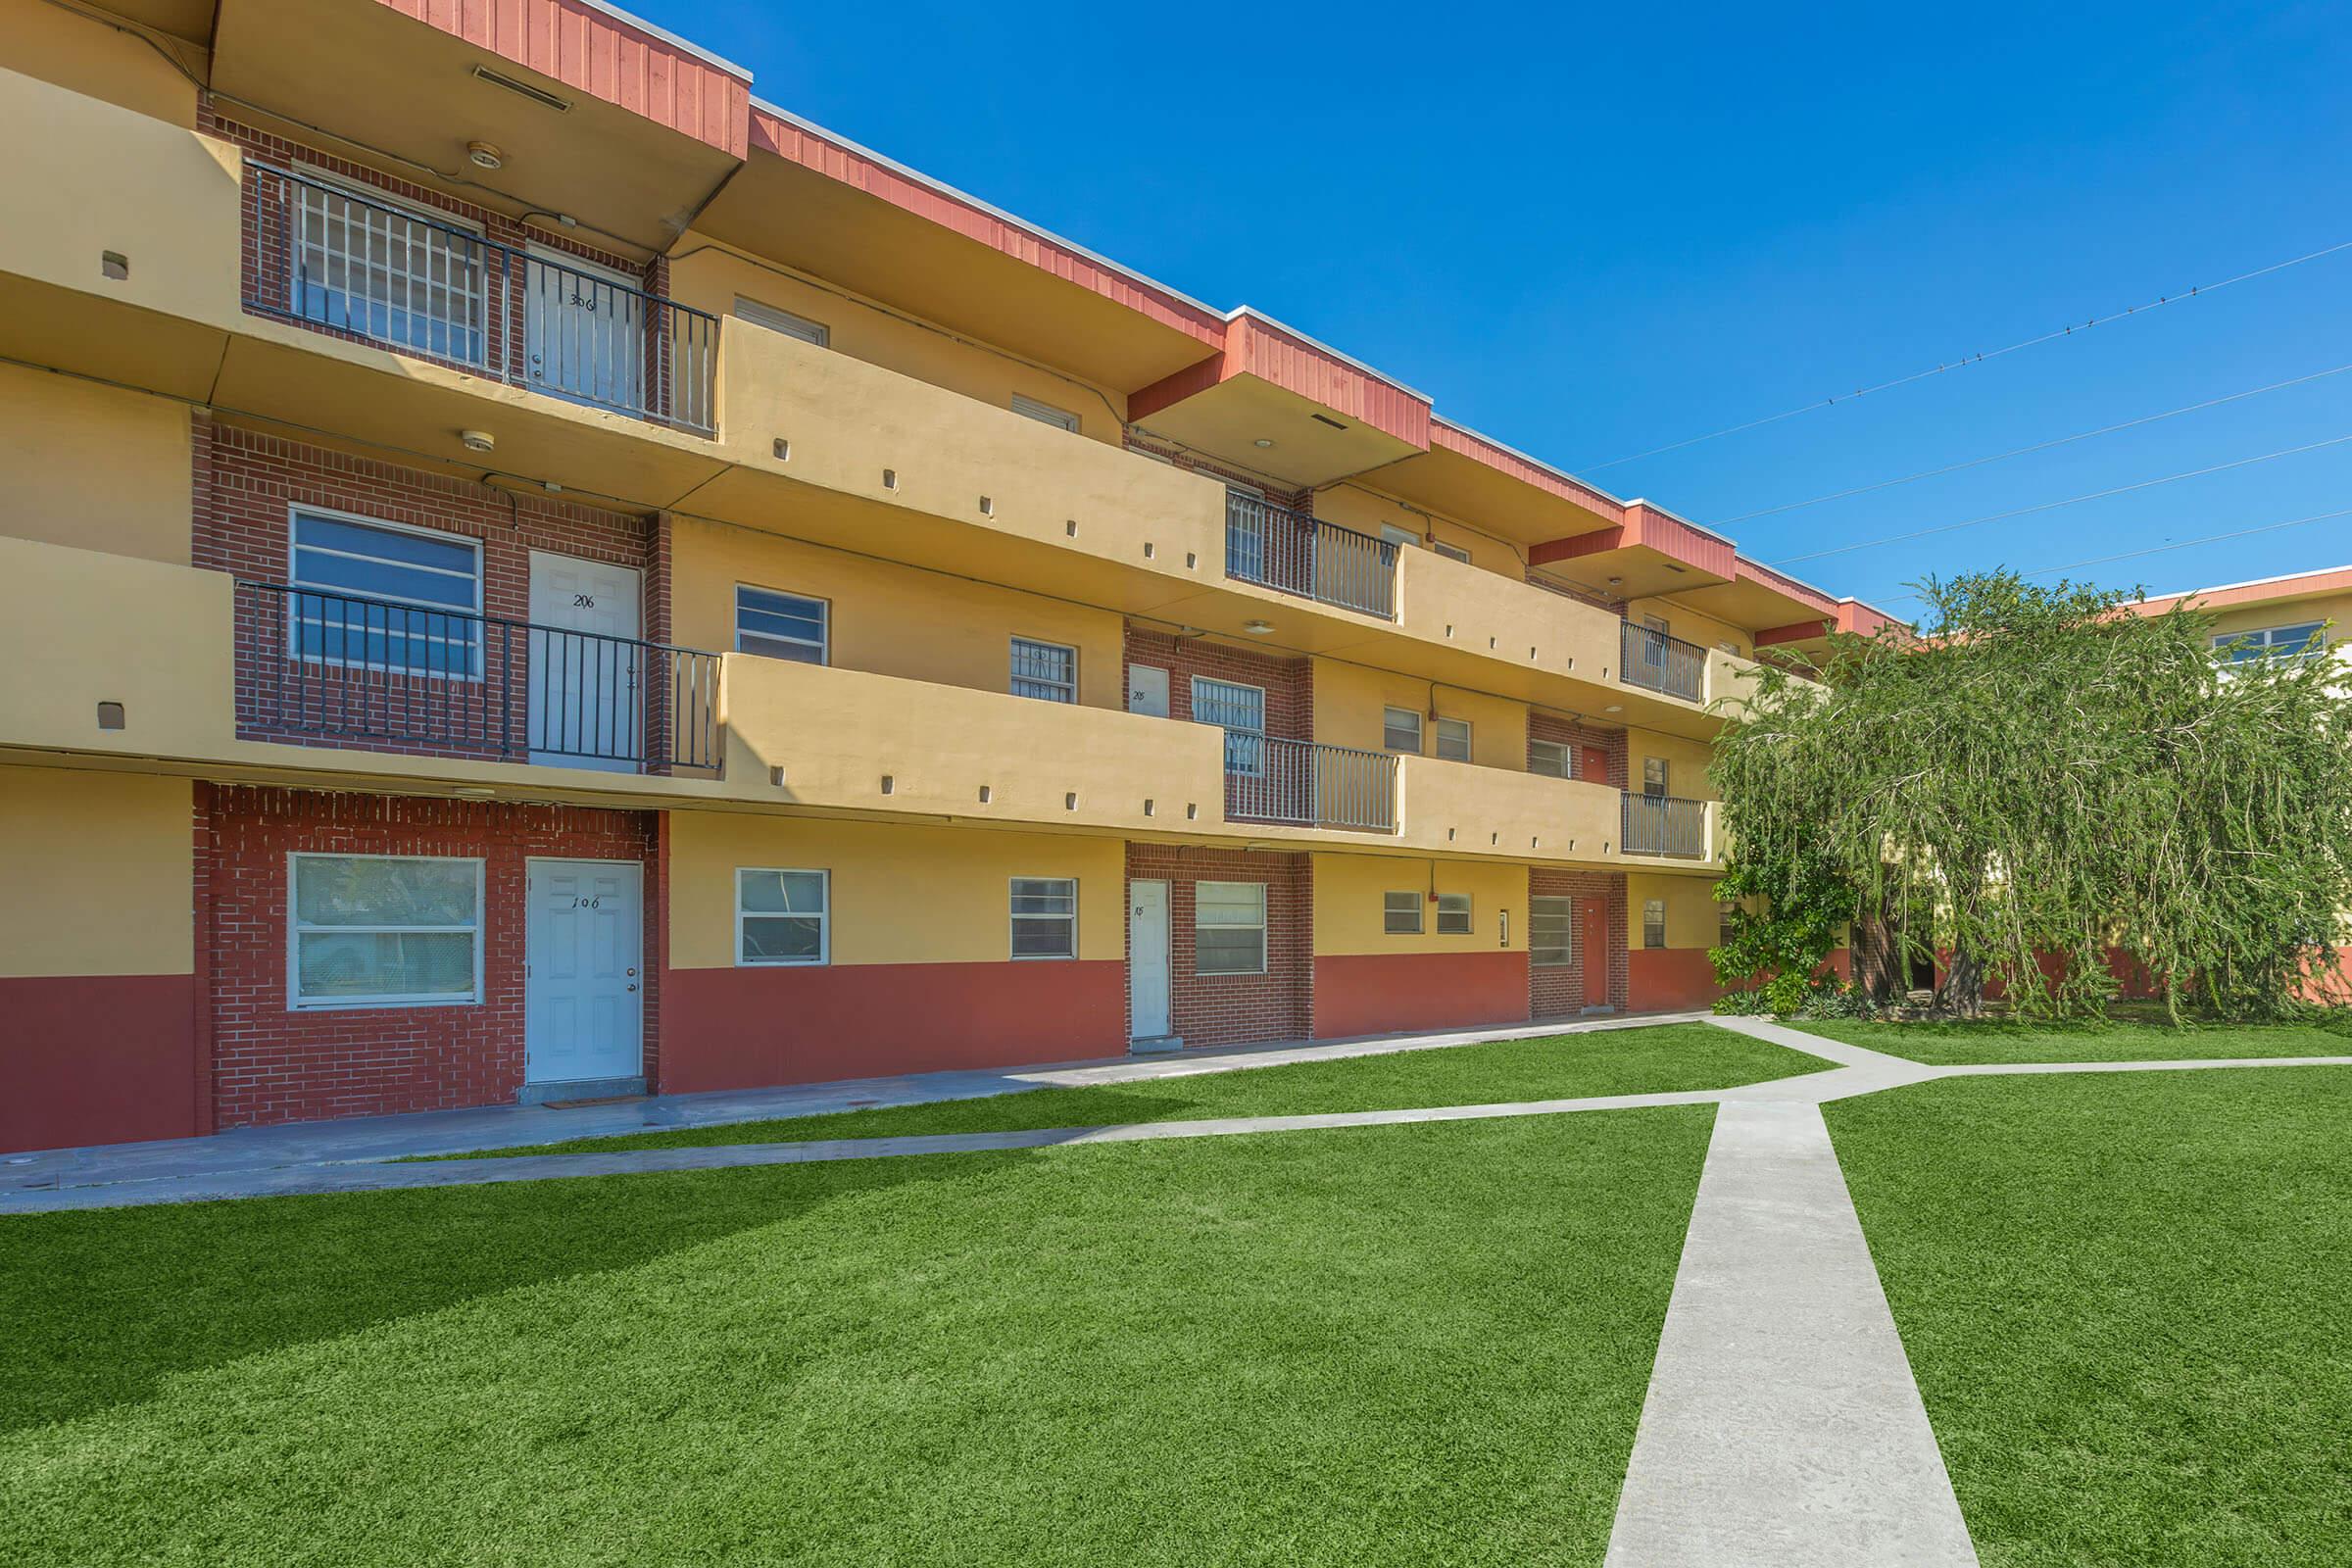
(1614,708)
(477,440)
(1258,628)
(1263,443)
(482,155)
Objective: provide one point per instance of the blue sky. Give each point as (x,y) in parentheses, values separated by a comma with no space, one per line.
(1590,233)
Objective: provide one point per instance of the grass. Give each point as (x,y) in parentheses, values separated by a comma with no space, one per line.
(1401,1344)
(2125,1300)
(1613,1061)
(1954,1044)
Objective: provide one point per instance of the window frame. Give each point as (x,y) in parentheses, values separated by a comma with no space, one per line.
(1438,740)
(2261,642)
(1566,915)
(1466,909)
(1387,745)
(1013,675)
(1044,412)
(1450,552)
(453,223)
(1264,957)
(817,334)
(1014,918)
(296,1002)
(1388,909)
(1567,751)
(297,510)
(1255,765)
(823,918)
(1662,786)
(1648,905)
(823,645)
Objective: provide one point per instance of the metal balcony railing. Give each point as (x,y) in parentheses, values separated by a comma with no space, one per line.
(1665,824)
(1290,550)
(1308,785)
(1657,662)
(329,666)
(329,258)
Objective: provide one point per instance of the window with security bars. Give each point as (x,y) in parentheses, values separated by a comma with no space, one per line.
(1654,922)
(1551,932)
(1045,917)
(1241,712)
(1552,758)
(366,266)
(1047,672)
(782,917)
(376,597)
(380,930)
(1401,914)
(780,625)
(1453,914)
(1229,928)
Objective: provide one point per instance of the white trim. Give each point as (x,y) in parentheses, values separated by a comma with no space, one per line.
(740,72)
(296,1002)
(2226,587)
(823,645)
(824,919)
(1013,919)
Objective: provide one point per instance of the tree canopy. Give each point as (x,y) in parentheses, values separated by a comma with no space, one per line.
(2037,778)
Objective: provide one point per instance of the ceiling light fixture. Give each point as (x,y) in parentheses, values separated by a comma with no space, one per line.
(1614,708)
(1257,628)
(484,156)
(1263,442)
(477,440)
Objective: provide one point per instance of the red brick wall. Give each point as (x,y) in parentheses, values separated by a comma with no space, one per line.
(1610,743)
(1290,683)
(1224,1009)
(274,1065)
(1559,991)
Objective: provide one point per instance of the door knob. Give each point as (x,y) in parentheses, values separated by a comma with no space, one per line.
(633,985)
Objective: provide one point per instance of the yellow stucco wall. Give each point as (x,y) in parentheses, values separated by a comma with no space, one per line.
(2258,617)
(1686,759)
(97,871)
(1349,699)
(94,466)
(900,895)
(1693,627)
(1349,904)
(886,617)
(1693,917)
(711,279)
(90,57)
(1367,510)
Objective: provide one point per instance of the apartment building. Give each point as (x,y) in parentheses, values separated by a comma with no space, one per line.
(532,573)
(2303,614)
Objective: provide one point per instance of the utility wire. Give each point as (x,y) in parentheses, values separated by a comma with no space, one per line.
(2052,505)
(2153,550)
(2019,451)
(1972,358)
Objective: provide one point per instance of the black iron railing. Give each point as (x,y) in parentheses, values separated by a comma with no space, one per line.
(1665,824)
(410,677)
(1290,550)
(1308,785)
(327,257)
(1651,660)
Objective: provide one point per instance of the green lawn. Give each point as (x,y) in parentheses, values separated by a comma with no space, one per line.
(2125,1298)
(1412,1344)
(1609,1061)
(1946,1044)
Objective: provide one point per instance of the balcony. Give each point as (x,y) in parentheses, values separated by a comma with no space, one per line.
(1657,662)
(334,668)
(326,258)
(1665,826)
(1304,784)
(1296,554)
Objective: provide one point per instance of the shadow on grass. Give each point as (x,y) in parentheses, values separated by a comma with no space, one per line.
(98,1308)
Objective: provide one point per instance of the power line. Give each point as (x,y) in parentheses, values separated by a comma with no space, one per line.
(2019,451)
(1972,358)
(2153,550)
(2052,505)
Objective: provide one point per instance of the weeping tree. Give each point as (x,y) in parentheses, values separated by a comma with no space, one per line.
(2036,780)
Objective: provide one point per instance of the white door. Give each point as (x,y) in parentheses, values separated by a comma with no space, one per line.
(1147,690)
(586,676)
(582,1006)
(584,334)
(1148,958)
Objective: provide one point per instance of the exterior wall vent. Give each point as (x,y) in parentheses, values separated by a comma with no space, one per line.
(539,96)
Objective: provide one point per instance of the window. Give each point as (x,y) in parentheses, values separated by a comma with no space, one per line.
(1453,552)
(1653,647)
(778,626)
(1401,914)
(383,597)
(1229,928)
(378,267)
(1045,917)
(1551,932)
(1725,912)
(782,916)
(1453,914)
(1654,922)
(1047,671)
(1400,730)
(1655,776)
(1453,738)
(1246,524)
(379,930)
(1401,538)
(2308,640)
(1240,712)
(784,322)
(1552,757)
(1045,412)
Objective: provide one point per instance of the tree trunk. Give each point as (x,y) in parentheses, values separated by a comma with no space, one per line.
(1964,985)
(1880,970)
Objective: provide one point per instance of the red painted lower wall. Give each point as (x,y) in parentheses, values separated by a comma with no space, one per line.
(744,1028)
(1366,993)
(97,1059)
(1670,980)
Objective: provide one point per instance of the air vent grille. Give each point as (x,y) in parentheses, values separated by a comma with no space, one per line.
(548,99)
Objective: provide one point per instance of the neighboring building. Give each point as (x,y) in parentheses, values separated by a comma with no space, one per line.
(529,572)
(2303,614)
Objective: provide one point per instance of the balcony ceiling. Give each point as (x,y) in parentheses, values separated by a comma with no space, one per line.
(1753,602)
(1227,419)
(182,19)
(378,80)
(783,211)
(1455,484)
